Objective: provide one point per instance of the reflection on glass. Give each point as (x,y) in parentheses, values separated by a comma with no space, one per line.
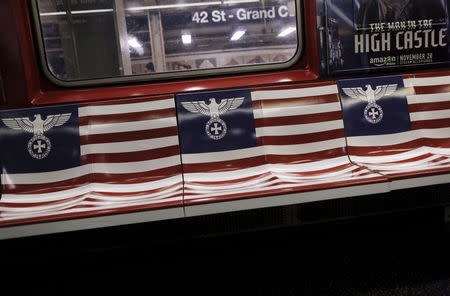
(187,38)
(287,31)
(237,35)
(110,38)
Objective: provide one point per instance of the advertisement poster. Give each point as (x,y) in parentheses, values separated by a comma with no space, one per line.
(369,34)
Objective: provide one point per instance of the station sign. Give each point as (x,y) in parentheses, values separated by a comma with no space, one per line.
(234,15)
(240,14)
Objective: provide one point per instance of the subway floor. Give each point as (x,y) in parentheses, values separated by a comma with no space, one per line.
(393,254)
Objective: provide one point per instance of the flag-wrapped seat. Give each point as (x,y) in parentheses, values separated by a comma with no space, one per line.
(414,148)
(112,157)
(299,153)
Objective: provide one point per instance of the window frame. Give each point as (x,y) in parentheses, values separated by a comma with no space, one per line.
(163,76)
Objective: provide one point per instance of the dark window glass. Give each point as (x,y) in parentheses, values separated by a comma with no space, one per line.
(91,39)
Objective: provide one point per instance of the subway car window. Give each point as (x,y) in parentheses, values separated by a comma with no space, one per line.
(98,39)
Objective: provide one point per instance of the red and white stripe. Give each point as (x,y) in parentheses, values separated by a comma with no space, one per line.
(129,161)
(423,150)
(300,147)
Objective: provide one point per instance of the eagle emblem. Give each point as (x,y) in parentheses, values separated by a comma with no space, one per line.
(373,112)
(215,128)
(39,146)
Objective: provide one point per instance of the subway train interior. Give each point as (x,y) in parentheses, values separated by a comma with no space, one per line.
(249,113)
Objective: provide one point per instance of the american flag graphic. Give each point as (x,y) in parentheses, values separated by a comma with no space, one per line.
(300,147)
(421,151)
(130,160)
